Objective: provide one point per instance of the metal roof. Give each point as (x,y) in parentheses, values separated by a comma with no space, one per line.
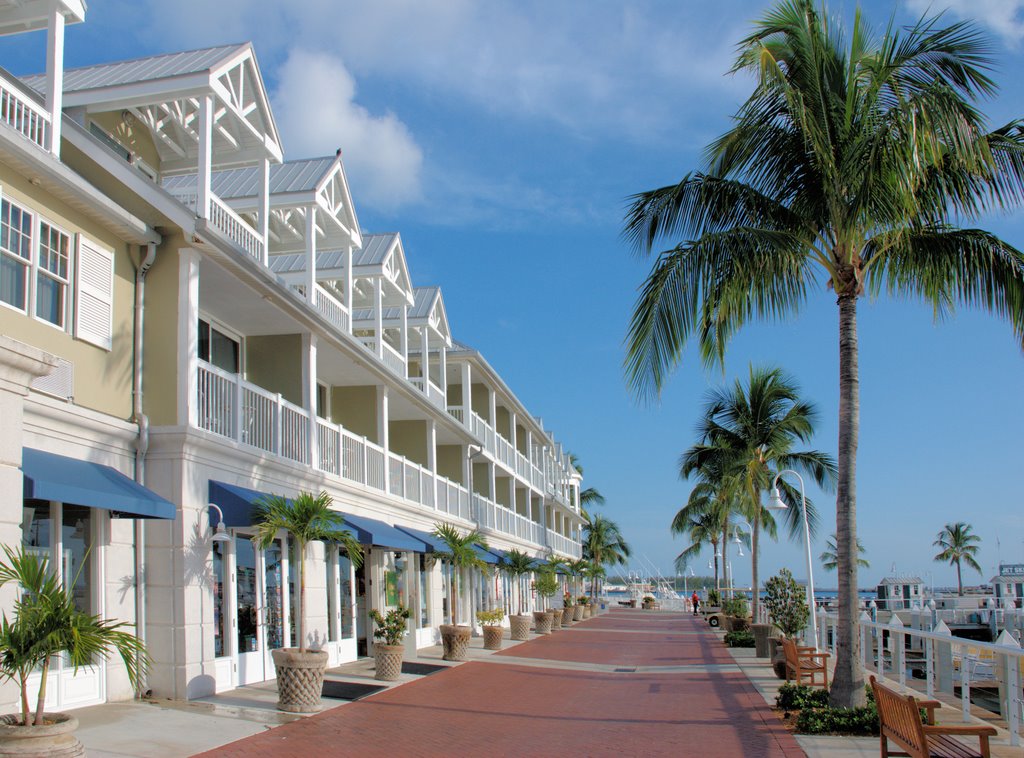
(375,249)
(423,304)
(150,68)
(292,263)
(293,176)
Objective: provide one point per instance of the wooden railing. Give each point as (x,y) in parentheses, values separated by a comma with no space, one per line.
(24,115)
(331,309)
(236,228)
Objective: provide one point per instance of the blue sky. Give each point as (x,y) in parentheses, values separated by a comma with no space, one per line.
(501,139)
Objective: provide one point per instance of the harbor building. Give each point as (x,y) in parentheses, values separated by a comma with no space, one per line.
(189,318)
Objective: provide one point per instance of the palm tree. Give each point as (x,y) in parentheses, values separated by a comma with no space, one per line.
(703,528)
(604,545)
(747,435)
(957,545)
(849,166)
(46,622)
(828,557)
(308,518)
(517,564)
(577,568)
(461,554)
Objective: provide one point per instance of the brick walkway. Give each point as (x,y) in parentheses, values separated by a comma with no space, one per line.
(503,707)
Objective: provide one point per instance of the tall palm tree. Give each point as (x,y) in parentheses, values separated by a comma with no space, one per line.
(849,166)
(307,518)
(604,545)
(517,564)
(748,433)
(704,519)
(461,553)
(828,557)
(958,545)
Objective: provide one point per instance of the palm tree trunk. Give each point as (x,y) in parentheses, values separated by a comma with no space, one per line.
(754,600)
(848,684)
(41,701)
(959,580)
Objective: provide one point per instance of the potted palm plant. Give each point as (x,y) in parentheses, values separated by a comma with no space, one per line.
(307,517)
(461,554)
(546,585)
(46,622)
(493,630)
(389,628)
(517,564)
(577,569)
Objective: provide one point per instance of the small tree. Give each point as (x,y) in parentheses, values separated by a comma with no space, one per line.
(546,584)
(517,564)
(390,627)
(786,603)
(461,554)
(307,518)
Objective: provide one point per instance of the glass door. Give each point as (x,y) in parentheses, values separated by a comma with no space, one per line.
(260,607)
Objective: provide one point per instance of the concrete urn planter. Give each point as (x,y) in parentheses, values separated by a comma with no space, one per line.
(520,626)
(556,619)
(567,616)
(56,739)
(388,660)
(300,679)
(778,657)
(493,636)
(579,612)
(542,622)
(455,642)
(761,633)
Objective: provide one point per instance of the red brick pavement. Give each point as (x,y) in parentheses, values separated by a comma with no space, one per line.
(507,709)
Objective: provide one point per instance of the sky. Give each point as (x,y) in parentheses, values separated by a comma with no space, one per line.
(503,139)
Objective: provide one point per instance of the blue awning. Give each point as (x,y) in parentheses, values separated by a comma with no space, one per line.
(486,555)
(238,503)
(68,480)
(372,532)
(434,543)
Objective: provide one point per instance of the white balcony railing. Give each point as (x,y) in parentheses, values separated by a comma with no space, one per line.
(434,393)
(483,431)
(391,357)
(23,114)
(331,309)
(236,228)
(563,545)
(453,499)
(498,518)
(456,413)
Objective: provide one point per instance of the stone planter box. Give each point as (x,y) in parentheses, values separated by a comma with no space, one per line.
(542,622)
(493,636)
(567,616)
(300,679)
(455,642)
(556,619)
(520,626)
(388,661)
(56,739)
(761,634)
(578,612)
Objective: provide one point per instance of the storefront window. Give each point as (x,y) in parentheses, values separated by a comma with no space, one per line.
(345,575)
(76,539)
(245,569)
(424,620)
(275,595)
(35,527)
(218,599)
(446,592)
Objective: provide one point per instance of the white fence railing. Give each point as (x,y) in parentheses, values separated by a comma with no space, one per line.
(943,661)
(331,309)
(391,357)
(236,228)
(434,393)
(563,545)
(22,114)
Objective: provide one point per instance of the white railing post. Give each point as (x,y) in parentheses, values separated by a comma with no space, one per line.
(822,631)
(943,656)
(237,421)
(897,639)
(278,425)
(880,654)
(1010,701)
(967,668)
(929,666)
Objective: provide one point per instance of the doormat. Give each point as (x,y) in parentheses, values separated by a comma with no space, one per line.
(421,669)
(349,690)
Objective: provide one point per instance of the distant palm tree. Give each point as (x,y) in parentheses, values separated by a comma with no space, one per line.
(517,564)
(748,433)
(604,545)
(828,557)
(702,529)
(958,544)
(847,171)
(460,552)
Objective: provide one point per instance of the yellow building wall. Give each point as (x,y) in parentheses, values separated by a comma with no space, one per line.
(102,379)
(521,440)
(160,341)
(502,496)
(409,438)
(274,362)
(481,481)
(504,422)
(449,462)
(481,401)
(355,408)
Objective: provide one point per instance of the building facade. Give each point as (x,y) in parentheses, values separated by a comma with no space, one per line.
(190,319)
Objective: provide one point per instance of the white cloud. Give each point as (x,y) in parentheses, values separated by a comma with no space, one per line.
(1004,17)
(316,112)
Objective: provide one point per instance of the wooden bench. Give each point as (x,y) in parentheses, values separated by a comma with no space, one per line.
(805,663)
(899,718)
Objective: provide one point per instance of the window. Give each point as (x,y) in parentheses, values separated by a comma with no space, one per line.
(217,348)
(218,599)
(15,254)
(423,593)
(52,279)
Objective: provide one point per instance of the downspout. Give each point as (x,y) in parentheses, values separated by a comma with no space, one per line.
(142,446)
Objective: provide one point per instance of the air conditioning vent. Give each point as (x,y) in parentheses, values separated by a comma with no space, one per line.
(60,382)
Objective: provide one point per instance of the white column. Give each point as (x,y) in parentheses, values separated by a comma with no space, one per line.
(383,432)
(467,469)
(425,352)
(205,166)
(309,394)
(378,315)
(404,336)
(348,278)
(310,280)
(492,483)
(432,456)
(264,209)
(493,399)
(467,391)
(188,335)
(444,373)
(55,75)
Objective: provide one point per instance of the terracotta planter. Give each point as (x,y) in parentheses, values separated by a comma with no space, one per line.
(520,627)
(647,606)
(567,616)
(300,679)
(542,622)
(389,661)
(556,619)
(455,642)
(493,636)
(579,612)
(55,739)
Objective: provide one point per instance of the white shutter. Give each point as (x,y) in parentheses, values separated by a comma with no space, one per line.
(94,298)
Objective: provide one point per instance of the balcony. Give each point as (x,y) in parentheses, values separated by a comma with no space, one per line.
(563,545)
(23,114)
(434,394)
(498,518)
(222,218)
(391,357)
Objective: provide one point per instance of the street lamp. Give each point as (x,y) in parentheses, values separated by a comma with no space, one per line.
(220,534)
(775,504)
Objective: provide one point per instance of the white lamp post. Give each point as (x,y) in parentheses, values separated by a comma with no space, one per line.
(775,504)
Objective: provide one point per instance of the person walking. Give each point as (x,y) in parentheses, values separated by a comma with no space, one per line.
(695,602)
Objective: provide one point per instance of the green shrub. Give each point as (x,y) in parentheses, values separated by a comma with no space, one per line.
(861,722)
(713,597)
(794,697)
(786,603)
(736,606)
(739,639)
